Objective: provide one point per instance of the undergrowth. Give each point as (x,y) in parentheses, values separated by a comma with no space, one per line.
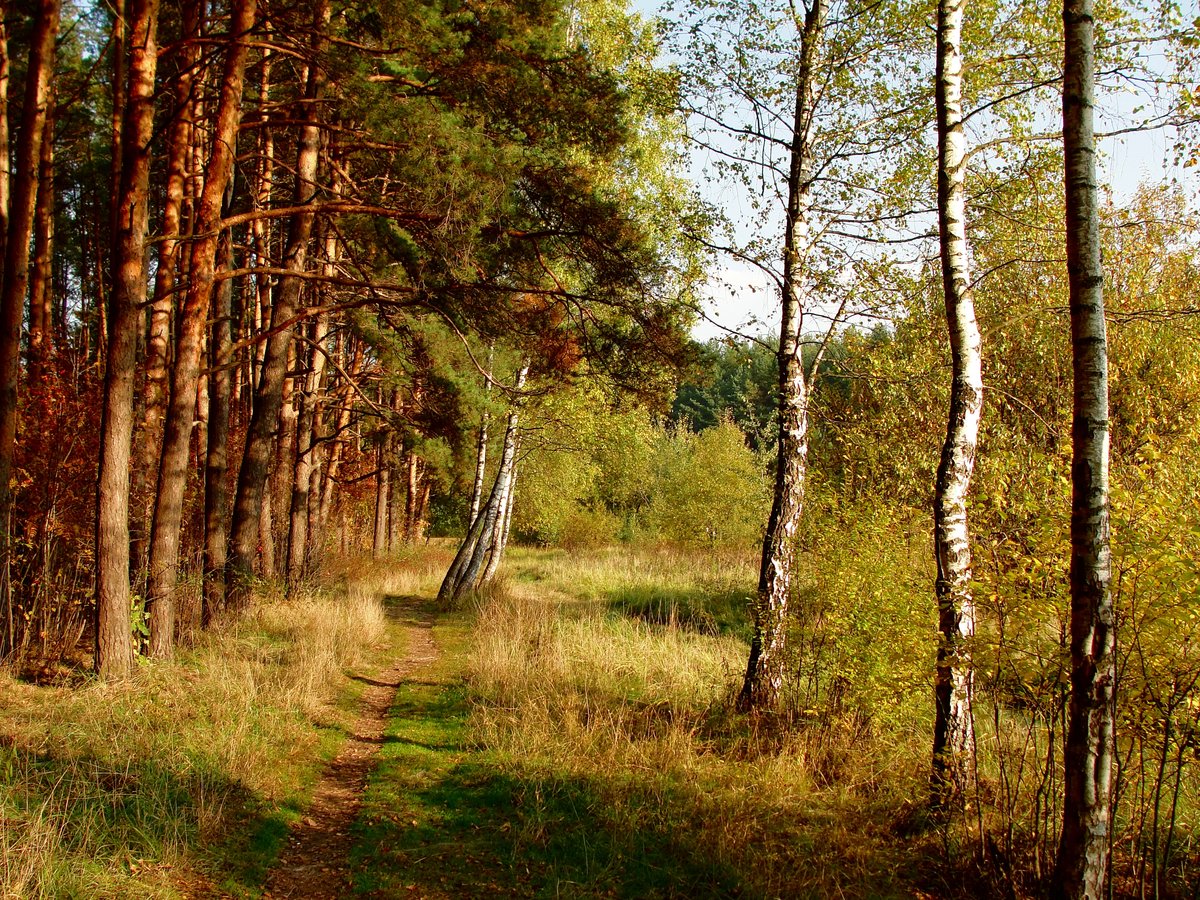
(190,771)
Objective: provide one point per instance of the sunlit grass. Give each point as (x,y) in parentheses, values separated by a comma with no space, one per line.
(192,768)
(613,673)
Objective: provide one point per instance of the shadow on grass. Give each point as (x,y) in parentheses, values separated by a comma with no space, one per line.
(444,820)
(709,612)
(109,816)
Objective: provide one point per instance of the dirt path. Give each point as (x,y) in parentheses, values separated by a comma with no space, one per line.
(314,864)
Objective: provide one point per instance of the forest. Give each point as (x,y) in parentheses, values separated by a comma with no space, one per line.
(549,448)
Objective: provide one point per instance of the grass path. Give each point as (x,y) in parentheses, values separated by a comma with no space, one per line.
(314,864)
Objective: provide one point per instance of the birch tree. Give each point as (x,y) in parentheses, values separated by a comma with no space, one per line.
(1081,866)
(764,669)
(953,742)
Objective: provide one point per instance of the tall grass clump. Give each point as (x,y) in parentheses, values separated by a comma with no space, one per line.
(192,766)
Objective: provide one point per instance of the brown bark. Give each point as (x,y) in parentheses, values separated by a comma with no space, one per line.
(216,464)
(5,66)
(268,395)
(336,452)
(158,343)
(114,647)
(383,489)
(15,277)
(41,286)
(764,669)
(177,432)
(1081,866)
(260,228)
(306,448)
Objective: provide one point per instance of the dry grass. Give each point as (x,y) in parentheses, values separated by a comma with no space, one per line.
(116,789)
(571,681)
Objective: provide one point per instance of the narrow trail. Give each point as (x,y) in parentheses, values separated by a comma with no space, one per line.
(314,865)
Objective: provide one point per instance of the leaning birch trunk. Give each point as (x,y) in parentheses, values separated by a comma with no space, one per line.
(764,670)
(193,321)
(470,557)
(114,645)
(953,741)
(1080,868)
(489,516)
(268,393)
(500,533)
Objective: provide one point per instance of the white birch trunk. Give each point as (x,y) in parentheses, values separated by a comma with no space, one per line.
(953,743)
(464,571)
(764,670)
(1081,865)
(500,533)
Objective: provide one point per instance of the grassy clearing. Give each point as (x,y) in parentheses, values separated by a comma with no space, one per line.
(193,769)
(580,692)
(575,740)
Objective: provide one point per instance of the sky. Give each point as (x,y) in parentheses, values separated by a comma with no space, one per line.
(742,298)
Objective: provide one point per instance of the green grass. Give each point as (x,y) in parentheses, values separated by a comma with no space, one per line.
(567,744)
(192,771)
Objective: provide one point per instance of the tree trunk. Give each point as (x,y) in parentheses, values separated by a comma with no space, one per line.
(268,394)
(5,66)
(383,488)
(500,535)
(953,742)
(260,228)
(464,570)
(16,271)
(114,646)
(334,466)
(1081,865)
(41,287)
(177,433)
(158,344)
(764,670)
(481,450)
(216,465)
(306,447)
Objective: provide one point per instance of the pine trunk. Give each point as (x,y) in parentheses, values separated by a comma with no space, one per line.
(383,490)
(216,463)
(158,343)
(114,645)
(268,394)
(41,286)
(764,669)
(953,741)
(306,448)
(1080,868)
(193,321)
